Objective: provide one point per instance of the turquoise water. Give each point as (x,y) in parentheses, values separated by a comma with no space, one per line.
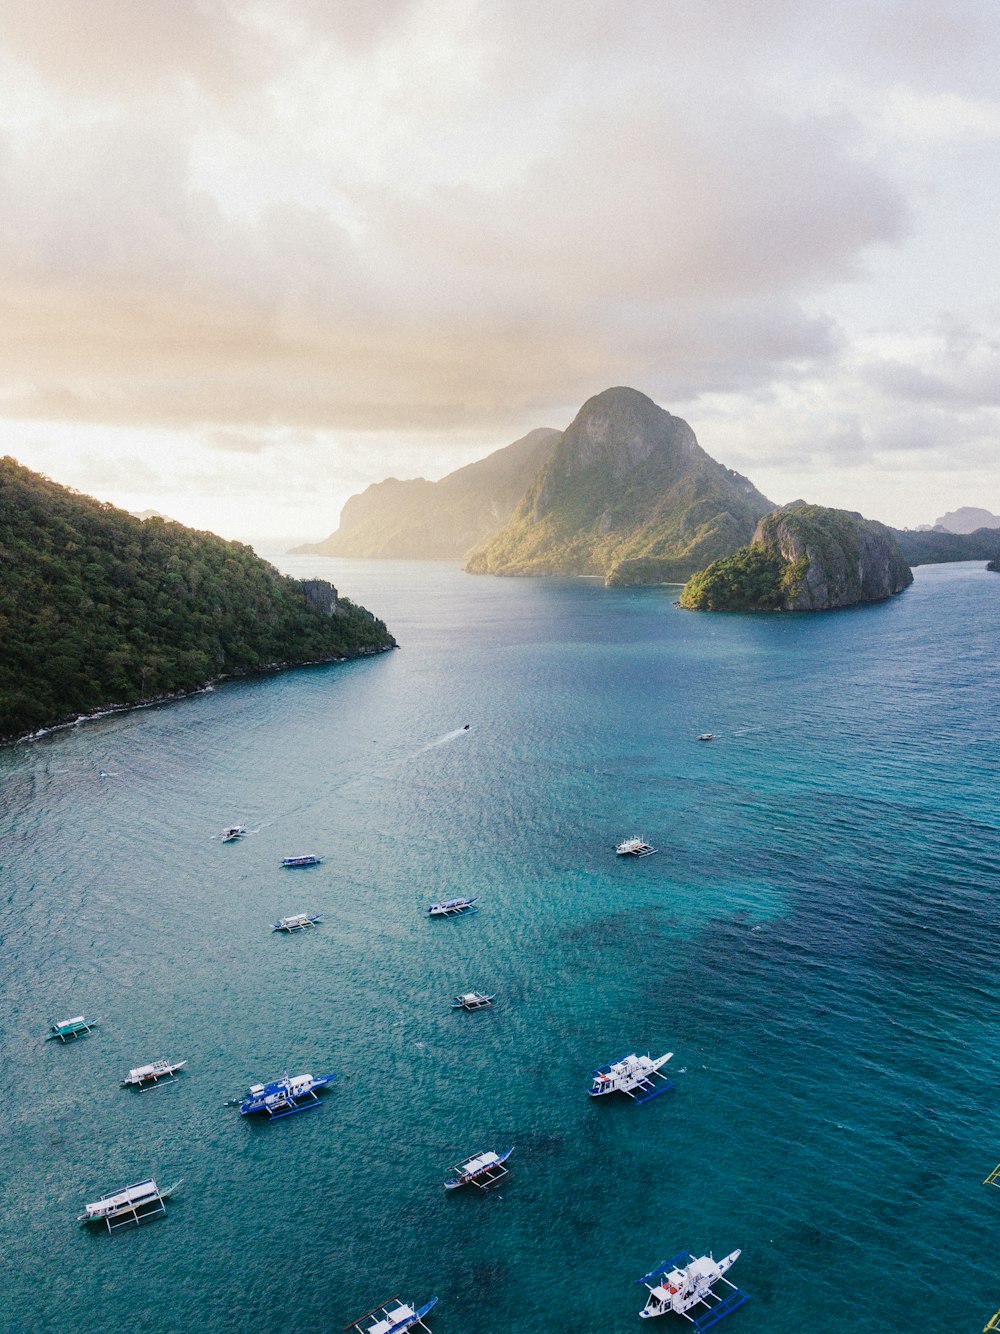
(817,942)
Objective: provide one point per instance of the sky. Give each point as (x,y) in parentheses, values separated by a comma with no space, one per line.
(258,254)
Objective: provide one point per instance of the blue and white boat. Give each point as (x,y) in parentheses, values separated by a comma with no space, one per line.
(67,1029)
(392,1317)
(449,907)
(482,1169)
(285,1096)
(473,1000)
(635,1075)
(297,922)
(686,1285)
(302,859)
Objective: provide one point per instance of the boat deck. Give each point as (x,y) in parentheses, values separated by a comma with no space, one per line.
(392,1319)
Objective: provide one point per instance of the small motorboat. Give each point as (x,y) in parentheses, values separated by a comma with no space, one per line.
(297,922)
(234,832)
(285,1096)
(472,1000)
(148,1076)
(449,907)
(635,847)
(687,1282)
(482,1169)
(707,736)
(303,859)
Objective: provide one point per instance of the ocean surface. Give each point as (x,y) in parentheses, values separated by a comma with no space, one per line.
(817,942)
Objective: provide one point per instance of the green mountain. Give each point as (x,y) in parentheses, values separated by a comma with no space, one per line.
(937,547)
(804,558)
(101,609)
(627,493)
(445,520)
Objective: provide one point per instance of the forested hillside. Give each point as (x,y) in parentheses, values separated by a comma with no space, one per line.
(99,608)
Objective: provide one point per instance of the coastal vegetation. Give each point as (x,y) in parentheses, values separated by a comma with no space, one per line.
(101,609)
(803,558)
(937,547)
(627,493)
(446,520)
(755,578)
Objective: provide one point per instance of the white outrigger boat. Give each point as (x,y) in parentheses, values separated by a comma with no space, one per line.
(285,1096)
(234,832)
(67,1029)
(392,1319)
(472,1000)
(482,1169)
(449,907)
(634,1075)
(685,1283)
(133,1204)
(148,1076)
(635,847)
(297,922)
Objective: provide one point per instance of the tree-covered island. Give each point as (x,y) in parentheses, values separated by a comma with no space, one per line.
(100,609)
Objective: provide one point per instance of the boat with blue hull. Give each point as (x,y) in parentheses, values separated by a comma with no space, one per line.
(482,1169)
(302,859)
(392,1317)
(637,1076)
(451,907)
(686,1286)
(285,1096)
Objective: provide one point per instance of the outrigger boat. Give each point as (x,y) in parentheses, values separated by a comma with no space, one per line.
(285,1096)
(297,922)
(635,847)
(994,1177)
(148,1076)
(67,1029)
(472,1000)
(234,832)
(685,1283)
(303,859)
(392,1319)
(634,1075)
(134,1204)
(707,736)
(482,1169)
(449,907)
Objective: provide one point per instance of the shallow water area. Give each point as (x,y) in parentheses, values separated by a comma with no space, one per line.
(815,940)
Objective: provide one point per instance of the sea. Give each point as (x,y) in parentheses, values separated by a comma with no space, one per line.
(817,942)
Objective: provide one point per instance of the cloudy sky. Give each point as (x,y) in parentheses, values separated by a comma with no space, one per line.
(255,254)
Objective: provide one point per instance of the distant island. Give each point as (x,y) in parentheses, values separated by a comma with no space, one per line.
(994,565)
(803,558)
(99,609)
(967,519)
(445,520)
(627,493)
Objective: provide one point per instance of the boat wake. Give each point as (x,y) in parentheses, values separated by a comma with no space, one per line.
(443,740)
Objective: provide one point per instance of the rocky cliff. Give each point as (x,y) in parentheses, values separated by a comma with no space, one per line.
(804,558)
(627,493)
(445,520)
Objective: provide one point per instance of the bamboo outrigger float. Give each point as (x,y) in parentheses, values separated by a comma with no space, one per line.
(392,1319)
(994,1177)
(139,1203)
(994,1323)
(67,1029)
